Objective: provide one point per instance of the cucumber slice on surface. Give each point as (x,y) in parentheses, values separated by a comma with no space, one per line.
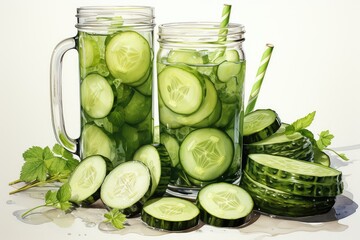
(170,213)
(97,97)
(180,90)
(157,160)
(128,56)
(275,202)
(286,168)
(125,185)
(224,205)
(206,153)
(260,124)
(87,178)
(94,141)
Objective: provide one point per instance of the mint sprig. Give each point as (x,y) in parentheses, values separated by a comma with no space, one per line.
(45,165)
(116,218)
(58,199)
(324,138)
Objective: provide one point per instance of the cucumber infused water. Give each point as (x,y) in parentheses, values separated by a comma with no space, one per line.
(115,46)
(200,81)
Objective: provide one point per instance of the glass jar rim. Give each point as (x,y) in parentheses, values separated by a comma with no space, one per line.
(101,17)
(197,32)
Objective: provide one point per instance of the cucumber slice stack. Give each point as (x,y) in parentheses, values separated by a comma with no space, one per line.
(285,174)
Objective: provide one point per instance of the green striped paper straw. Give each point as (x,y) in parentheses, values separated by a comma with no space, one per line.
(259,78)
(225,17)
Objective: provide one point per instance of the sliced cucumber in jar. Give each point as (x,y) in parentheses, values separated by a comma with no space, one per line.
(87,178)
(228,70)
(137,109)
(170,213)
(94,141)
(224,205)
(187,56)
(206,154)
(89,52)
(181,90)
(128,56)
(125,185)
(97,97)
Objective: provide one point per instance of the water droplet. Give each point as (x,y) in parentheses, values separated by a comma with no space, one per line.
(10,202)
(90,224)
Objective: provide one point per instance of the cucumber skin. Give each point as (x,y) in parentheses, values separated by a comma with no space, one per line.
(281,174)
(210,219)
(300,188)
(275,202)
(264,133)
(165,171)
(158,223)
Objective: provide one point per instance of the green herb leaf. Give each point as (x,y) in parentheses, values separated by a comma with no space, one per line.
(50,198)
(64,193)
(324,140)
(300,124)
(116,218)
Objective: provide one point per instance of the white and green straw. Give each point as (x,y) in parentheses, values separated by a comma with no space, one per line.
(225,18)
(259,78)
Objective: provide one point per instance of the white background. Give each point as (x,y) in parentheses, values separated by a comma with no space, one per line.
(315,66)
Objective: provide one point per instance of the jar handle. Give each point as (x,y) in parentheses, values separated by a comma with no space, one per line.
(56,94)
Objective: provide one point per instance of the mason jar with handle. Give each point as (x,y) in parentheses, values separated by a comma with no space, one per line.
(201,70)
(115,48)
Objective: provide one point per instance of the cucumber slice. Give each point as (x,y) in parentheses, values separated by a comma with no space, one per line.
(137,109)
(291,169)
(206,153)
(173,120)
(157,160)
(89,52)
(212,118)
(181,90)
(228,70)
(172,147)
(94,141)
(97,97)
(87,178)
(170,213)
(224,205)
(294,146)
(296,187)
(146,87)
(125,185)
(187,56)
(128,56)
(275,202)
(260,124)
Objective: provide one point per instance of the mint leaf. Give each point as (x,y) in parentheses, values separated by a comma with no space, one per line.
(50,198)
(116,218)
(64,193)
(300,124)
(324,140)
(35,167)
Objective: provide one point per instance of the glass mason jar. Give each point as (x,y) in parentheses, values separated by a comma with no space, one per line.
(201,71)
(115,48)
